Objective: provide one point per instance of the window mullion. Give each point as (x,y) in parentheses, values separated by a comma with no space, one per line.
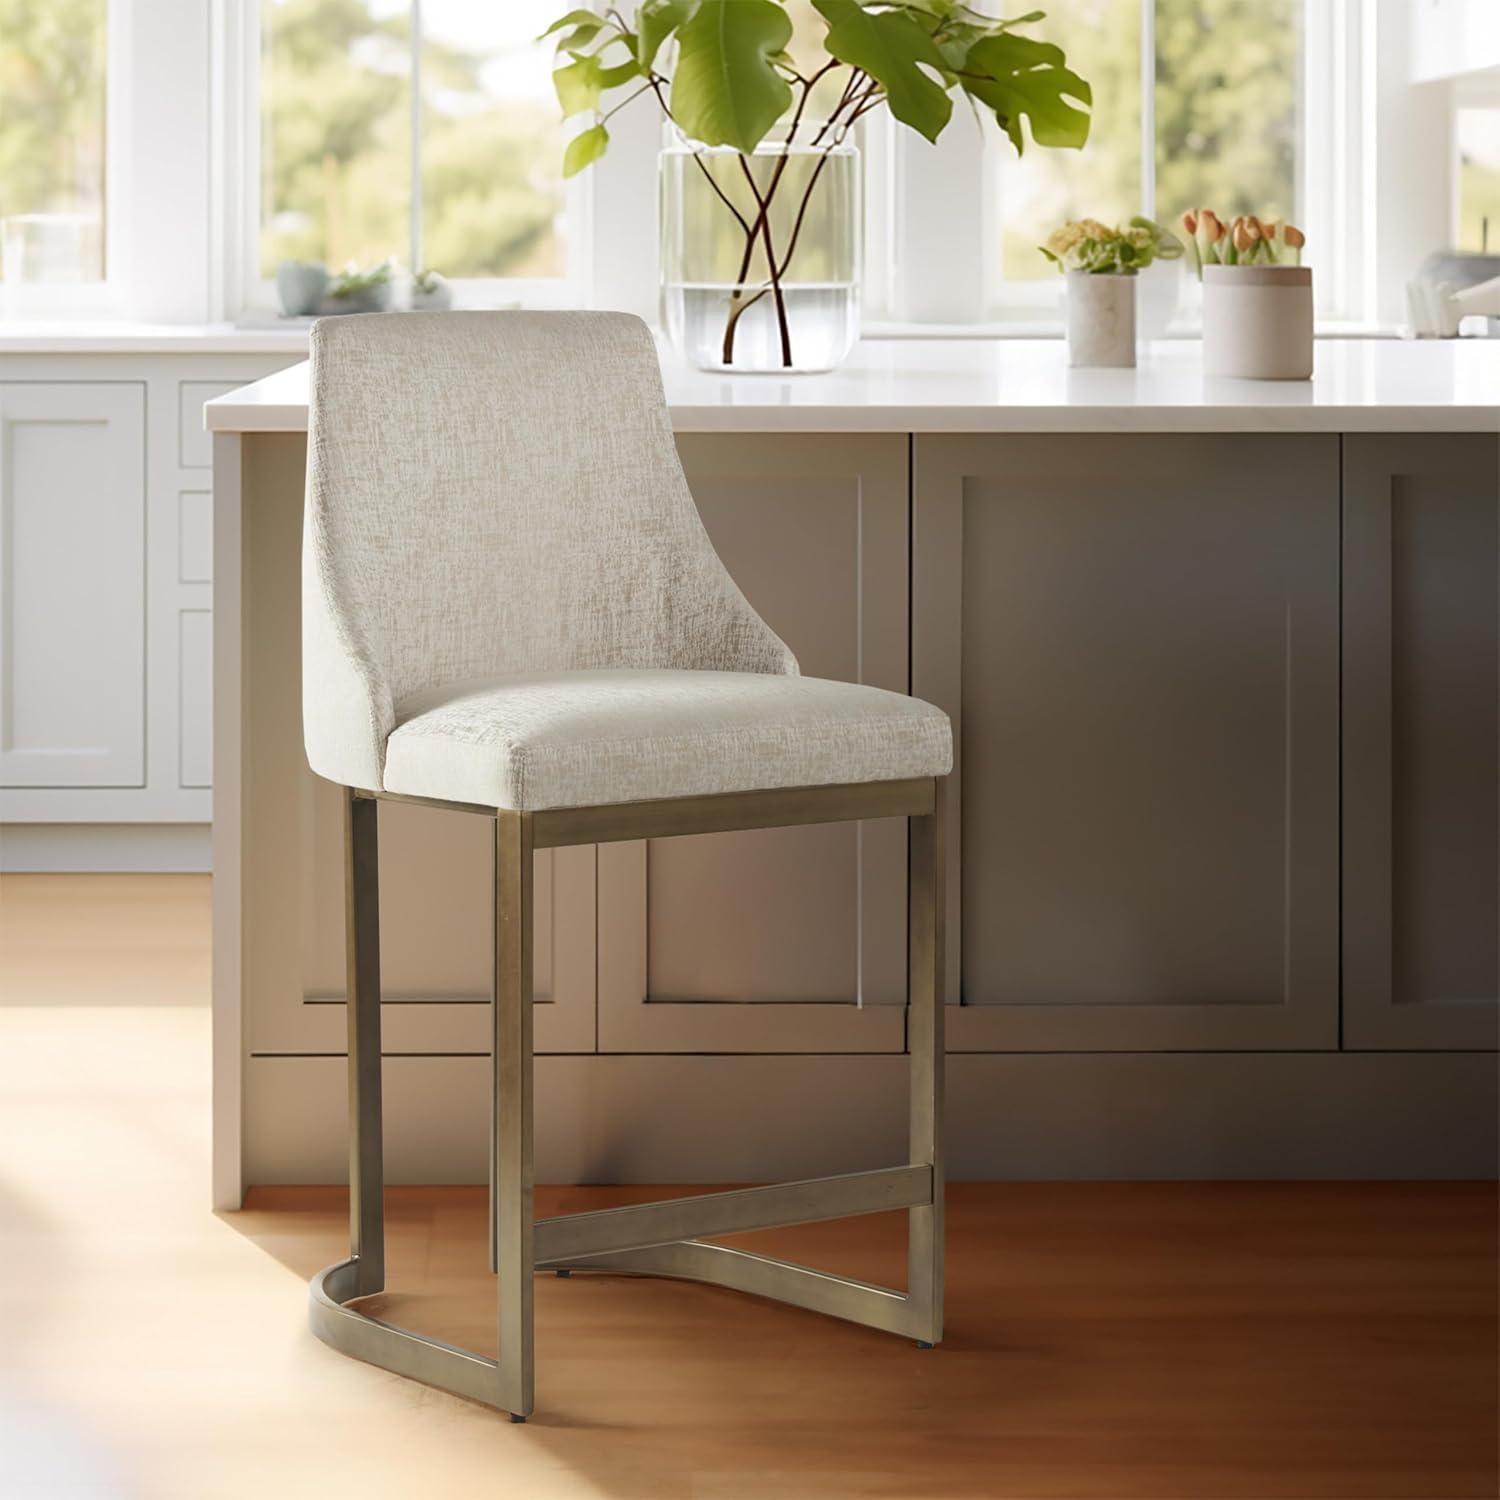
(1148,108)
(415,204)
(938,243)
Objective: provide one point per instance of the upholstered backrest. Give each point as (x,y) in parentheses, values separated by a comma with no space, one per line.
(492,493)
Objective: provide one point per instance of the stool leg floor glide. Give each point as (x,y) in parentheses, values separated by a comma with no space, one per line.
(653,1239)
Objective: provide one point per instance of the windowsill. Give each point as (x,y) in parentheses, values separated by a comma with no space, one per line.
(115,336)
(1014,329)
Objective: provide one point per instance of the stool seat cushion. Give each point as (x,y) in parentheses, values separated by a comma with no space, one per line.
(589,738)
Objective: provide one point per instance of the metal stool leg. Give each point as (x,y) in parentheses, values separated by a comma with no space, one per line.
(511,1112)
(362,940)
(926,943)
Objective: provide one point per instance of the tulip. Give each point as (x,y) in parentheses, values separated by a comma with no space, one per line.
(1190,239)
(1246,240)
(1207,237)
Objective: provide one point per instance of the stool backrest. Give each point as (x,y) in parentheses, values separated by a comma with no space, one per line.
(494,493)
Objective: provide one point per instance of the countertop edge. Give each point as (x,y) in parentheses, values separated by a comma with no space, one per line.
(249,421)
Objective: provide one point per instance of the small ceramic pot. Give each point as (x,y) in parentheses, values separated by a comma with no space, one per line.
(439,299)
(300,286)
(1258,322)
(1101,320)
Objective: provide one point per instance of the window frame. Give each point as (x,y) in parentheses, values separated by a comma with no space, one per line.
(921,210)
(252,295)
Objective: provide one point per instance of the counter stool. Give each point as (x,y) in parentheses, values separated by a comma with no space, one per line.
(511,608)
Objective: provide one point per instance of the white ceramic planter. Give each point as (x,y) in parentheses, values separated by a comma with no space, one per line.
(1101,320)
(1258,322)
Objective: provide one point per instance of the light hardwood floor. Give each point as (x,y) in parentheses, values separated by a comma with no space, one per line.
(1167,1340)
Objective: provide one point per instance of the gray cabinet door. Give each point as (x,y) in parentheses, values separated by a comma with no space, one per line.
(789,939)
(1137,638)
(1421,741)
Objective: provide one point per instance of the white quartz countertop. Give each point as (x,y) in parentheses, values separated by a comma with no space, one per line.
(1014,385)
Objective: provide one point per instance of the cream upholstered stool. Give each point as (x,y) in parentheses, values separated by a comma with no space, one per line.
(510,607)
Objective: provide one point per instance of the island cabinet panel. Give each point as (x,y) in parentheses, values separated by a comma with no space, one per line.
(1137,639)
(72,586)
(435,866)
(789,939)
(1421,785)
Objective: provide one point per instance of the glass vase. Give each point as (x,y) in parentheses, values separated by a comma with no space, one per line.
(751,289)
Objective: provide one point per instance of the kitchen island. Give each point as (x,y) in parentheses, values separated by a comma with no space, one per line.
(1222,661)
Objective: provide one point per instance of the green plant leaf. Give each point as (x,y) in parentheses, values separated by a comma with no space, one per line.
(891,47)
(725,90)
(585,149)
(573,18)
(579,84)
(655,22)
(1020,77)
(613,77)
(580,38)
(954,41)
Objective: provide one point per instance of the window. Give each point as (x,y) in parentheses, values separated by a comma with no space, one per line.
(1196,102)
(52,145)
(424,130)
(1478,136)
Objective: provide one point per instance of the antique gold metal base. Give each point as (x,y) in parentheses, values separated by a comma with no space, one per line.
(651,1239)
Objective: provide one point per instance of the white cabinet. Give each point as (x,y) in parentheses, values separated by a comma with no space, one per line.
(106,606)
(72,585)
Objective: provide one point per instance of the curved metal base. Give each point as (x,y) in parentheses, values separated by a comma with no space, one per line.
(398,1350)
(475,1378)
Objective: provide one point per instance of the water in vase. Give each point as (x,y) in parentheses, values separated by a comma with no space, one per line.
(822,324)
(763,276)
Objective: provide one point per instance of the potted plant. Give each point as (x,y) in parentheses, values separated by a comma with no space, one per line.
(1100,264)
(760,178)
(356,291)
(1257,296)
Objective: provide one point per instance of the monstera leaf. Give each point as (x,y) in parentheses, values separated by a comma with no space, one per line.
(1018,77)
(655,22)
(725,89)
(893,49)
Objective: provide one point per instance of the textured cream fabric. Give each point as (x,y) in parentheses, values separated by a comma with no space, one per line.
(580,739)
(497,496)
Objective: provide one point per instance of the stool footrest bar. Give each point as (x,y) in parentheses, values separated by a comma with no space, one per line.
(781,1281)
(709,1214)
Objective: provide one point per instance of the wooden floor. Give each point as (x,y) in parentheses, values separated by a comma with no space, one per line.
(1115,1341)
